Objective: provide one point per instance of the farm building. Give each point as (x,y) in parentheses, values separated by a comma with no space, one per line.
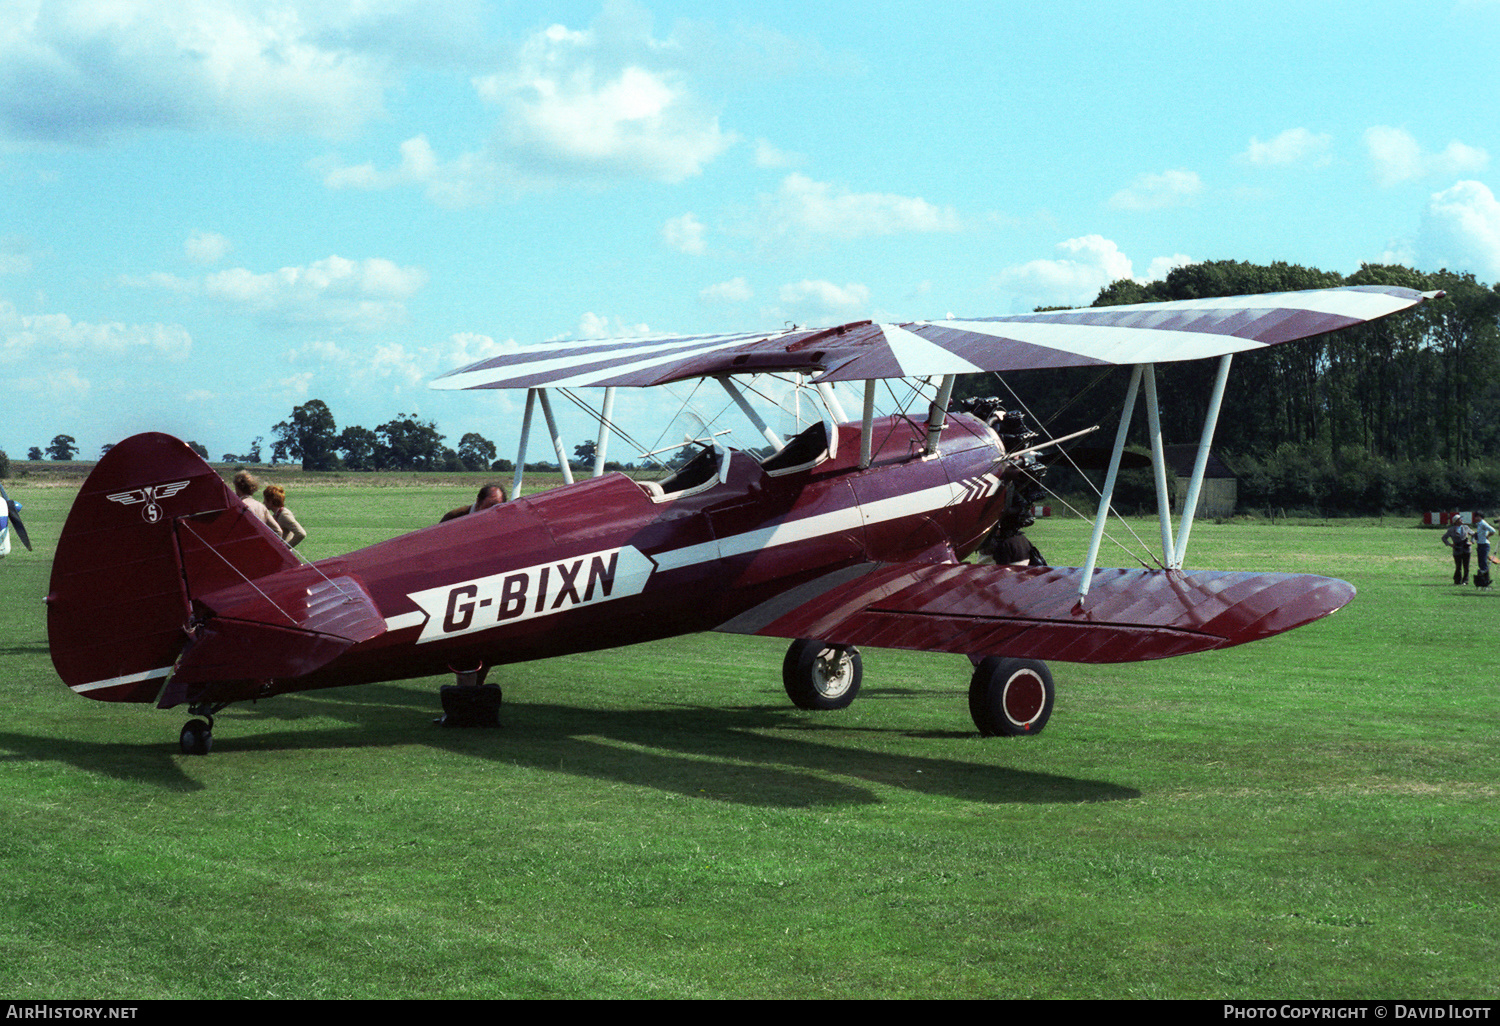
(1220,493)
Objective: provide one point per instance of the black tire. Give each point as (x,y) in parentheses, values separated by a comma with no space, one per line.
(821,676)
(470,705)
(1011,697)
(197,738)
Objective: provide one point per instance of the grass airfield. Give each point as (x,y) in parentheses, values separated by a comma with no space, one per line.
(1314,816)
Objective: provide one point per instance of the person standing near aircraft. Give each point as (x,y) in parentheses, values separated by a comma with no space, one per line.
(1459,537)
(291,532)
(245,486)
(1482,534)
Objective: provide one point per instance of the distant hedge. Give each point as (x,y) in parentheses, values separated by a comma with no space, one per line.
(1352,482)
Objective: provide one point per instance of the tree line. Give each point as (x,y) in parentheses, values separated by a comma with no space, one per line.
(310,436)
(1402,414)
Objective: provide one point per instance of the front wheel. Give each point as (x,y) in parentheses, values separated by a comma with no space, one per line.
(1010,697)
(821,676)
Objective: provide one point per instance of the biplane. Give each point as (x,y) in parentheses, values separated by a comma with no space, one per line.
(853,532)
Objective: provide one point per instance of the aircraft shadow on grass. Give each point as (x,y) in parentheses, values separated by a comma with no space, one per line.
(753,755)
(718,754)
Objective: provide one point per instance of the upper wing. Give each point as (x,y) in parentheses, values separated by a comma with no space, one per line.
(1145,333)
(1035,612)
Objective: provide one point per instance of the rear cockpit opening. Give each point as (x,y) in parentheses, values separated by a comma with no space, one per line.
(698,474)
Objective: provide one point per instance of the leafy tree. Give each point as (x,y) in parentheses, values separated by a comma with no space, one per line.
(406,443)
(357,446)
(253,456)
(1383,416)
(63,447)
(34,453)
(584,454)
(476,452)
(199,448)
(309,436)
(104,449)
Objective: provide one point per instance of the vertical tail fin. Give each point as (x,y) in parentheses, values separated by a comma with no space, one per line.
(152,525)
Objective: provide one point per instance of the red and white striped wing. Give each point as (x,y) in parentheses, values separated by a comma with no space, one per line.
(1093,336)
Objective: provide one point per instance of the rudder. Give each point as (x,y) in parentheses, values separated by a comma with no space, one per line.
(152,524)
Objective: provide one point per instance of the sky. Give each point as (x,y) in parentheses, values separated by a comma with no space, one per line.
(212,211)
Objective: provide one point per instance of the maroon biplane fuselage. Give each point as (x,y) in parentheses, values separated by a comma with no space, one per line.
(597,564)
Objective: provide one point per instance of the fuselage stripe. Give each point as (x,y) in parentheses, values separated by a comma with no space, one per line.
(128,678)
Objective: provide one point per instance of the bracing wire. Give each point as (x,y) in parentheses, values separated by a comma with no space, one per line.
(1151,555)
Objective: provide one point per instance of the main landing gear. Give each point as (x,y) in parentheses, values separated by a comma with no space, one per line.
(469,701)
(818,675)
(197,737)
(1010,697)
(1007,697)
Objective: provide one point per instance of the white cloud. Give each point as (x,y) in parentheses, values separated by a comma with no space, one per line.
(1091,262)
(82,70)
(467,180)
(592,325)
(206,247)
(595,106)
(769,156)
(1155,192)
(26,336)
(403,369)
(16,256)
(735,290)
(1293,147)
(360,294)
(1396,157)
(685,234)
(1160,267)
(1461,231)
(601,104)
(808,210)
(60,385)
(809,301)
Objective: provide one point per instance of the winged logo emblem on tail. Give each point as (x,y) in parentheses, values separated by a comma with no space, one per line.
(149,495)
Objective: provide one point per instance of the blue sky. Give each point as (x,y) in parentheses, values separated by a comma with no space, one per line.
(212,211)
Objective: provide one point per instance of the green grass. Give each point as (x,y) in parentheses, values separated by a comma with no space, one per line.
(1309,817)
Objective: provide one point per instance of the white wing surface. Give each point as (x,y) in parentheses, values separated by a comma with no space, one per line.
(1191,329)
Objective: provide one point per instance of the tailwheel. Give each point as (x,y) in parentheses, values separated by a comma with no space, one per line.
(1010,697)
(818,675)
(197,737)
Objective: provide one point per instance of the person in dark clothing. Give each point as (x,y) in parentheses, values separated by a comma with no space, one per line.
(1459,538)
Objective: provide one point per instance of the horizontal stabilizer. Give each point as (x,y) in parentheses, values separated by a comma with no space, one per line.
(1036,613)
(282,626)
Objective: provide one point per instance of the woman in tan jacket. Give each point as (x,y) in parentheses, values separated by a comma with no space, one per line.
(291,532)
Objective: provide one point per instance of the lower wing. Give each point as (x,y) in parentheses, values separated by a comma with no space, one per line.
(1036,612)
